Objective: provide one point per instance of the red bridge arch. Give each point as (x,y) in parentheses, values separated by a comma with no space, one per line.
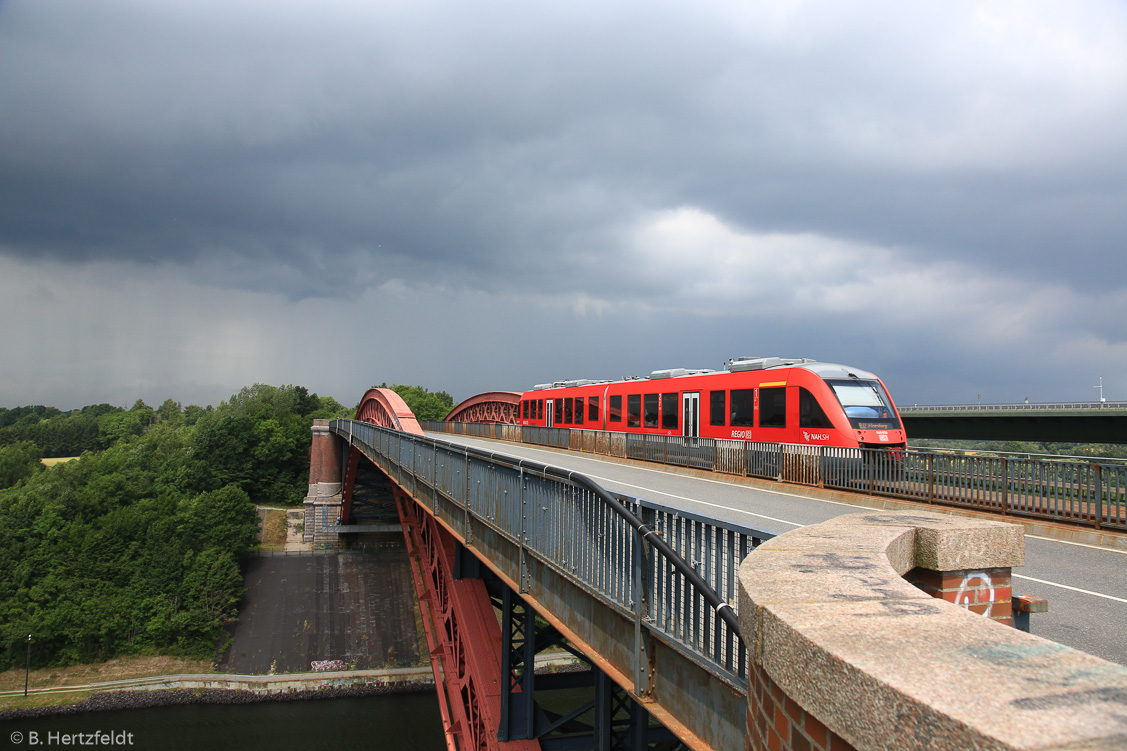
(492,406)
(385,407)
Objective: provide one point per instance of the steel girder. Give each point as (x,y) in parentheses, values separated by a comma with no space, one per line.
(489,692)
(462,633)
(595,713)
(492,406)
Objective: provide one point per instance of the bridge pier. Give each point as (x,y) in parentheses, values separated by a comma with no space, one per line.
(326,482)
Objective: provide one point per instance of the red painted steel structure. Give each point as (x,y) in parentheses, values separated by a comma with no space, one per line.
(492,406)
(386,408)
(463,634)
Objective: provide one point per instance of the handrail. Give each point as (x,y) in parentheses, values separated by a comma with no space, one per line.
(651,537)
(1084,490)
(1011,407)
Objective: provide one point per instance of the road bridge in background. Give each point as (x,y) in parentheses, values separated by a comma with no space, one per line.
(1076,422)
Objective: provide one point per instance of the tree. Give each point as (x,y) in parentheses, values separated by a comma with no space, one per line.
(169,410)
(18,462)
(135,546)
(224,519)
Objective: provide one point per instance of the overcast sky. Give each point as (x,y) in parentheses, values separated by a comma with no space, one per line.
(197,196)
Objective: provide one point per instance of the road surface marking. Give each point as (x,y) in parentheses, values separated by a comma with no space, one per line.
(1065,586)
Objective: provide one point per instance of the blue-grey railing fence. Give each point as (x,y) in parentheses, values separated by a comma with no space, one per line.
(1079,492)
(673,570)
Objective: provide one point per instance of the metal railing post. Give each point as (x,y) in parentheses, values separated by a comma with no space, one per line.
(523,583)
(642,600)
(1099,503)
(1005,487)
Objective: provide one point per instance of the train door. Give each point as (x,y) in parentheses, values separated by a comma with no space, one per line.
(549,412)
(690,409)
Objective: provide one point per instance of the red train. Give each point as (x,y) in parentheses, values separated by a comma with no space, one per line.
(754,398)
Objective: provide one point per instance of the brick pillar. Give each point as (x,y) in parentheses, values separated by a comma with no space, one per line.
(985,591)
(325,456)
(323,502)
(776,722)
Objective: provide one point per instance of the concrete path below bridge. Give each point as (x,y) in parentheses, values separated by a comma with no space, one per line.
(355,606)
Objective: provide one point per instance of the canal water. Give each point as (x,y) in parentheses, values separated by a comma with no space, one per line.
(407,722)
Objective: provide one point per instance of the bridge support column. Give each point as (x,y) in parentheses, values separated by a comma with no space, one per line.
(323,501)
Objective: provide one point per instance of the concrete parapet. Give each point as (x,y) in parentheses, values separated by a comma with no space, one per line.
(845,652)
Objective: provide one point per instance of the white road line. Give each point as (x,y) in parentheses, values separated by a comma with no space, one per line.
(591,458)
(1074,589)
(1080,544)
(693,500)
(796,524)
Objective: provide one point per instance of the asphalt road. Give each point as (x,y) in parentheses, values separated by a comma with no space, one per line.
(1086,586)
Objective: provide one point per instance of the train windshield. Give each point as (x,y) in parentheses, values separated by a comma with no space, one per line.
(866,404)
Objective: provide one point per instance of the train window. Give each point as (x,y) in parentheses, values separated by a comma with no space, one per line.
(649,410)
(773,408)
(524,410)
(670,410)
(539,409)
(557,410)
(569,404)
(579,410)
(614,413)
(593,408)
(866,404)
(634,411)
(717,407)
(743,408)
(810,413)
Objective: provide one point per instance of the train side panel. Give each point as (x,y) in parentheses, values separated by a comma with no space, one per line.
(778,405)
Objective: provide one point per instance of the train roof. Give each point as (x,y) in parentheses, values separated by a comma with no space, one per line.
(735,365)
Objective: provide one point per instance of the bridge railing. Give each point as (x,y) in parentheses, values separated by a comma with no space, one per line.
(1013,407)
(673,571)
(1078,492)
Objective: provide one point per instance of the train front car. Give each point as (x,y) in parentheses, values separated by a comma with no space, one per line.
(862,411)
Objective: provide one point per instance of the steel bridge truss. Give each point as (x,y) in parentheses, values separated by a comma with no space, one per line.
(512,558)
(481,708)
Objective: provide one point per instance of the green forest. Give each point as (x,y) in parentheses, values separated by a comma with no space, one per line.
(135,547)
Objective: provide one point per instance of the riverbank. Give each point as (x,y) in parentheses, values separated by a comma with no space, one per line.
(212,688)
(56,685)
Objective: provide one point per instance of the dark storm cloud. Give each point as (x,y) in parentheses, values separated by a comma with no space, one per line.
(931,191)
(295,147)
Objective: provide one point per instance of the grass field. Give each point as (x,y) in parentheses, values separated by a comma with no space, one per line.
(82,675)
(274,530)
(57,460)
